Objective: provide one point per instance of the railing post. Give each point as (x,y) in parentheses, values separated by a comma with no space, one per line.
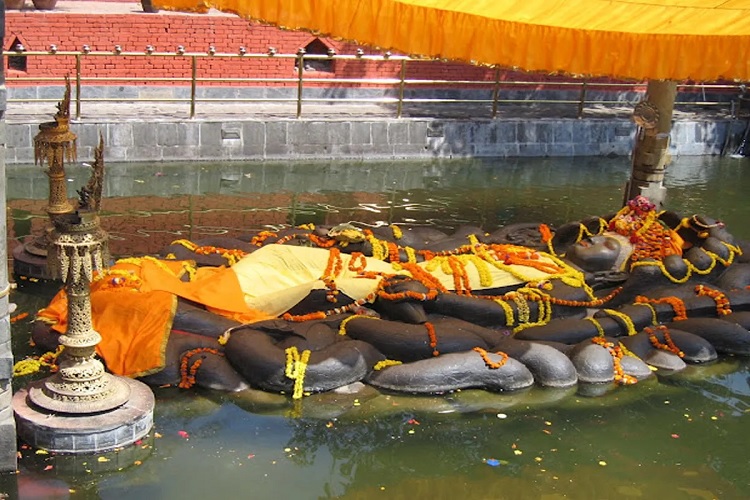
(495,92)
(193,78)
(300,71)
(78,86)
(401,86)
(582,100)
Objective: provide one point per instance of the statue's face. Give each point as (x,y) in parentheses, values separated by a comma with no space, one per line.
(598,253)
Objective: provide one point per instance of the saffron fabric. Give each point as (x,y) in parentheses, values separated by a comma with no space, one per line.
(702,40)
(134,304)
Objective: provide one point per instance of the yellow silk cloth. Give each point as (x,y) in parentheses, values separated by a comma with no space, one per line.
(702,40)
(276,277)
(133,304)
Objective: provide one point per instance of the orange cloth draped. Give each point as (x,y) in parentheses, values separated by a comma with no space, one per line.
(134,304)
(701,40)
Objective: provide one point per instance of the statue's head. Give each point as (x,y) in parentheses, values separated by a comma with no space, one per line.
(603,252)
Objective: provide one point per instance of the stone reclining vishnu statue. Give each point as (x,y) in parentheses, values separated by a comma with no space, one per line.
(605,300)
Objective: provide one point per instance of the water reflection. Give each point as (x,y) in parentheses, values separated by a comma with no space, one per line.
(675,437)
(146,206)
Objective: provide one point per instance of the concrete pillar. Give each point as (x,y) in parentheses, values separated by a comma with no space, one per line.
(651,148)
(7,423)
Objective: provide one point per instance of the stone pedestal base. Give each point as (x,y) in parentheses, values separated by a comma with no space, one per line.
(28,265)
(86,433)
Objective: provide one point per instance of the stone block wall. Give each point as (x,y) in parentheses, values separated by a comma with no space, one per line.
(382,138)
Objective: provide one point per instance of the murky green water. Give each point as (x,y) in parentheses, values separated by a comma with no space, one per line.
(682,436)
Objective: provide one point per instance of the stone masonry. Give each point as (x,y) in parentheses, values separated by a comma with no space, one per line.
(378,138)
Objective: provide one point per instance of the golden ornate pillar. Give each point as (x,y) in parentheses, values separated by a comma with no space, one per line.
(78,248)
(54,145)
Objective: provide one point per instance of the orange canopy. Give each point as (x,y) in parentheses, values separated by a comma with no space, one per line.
(700,40)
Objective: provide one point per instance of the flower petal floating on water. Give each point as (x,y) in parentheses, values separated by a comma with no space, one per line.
(183,434)
(492,462)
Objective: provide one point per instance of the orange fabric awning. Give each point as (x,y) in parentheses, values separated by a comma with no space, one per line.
(701,40)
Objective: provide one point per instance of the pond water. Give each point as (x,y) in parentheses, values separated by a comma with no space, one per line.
(678,436)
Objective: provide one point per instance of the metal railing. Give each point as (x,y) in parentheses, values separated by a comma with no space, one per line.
(495,86)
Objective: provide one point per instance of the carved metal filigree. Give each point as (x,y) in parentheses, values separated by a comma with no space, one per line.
(90,196)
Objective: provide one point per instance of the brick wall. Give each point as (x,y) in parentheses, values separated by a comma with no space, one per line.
(165,32)
(37,30)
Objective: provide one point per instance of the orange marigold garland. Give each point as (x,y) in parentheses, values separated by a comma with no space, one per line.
(421,275)
(321,241)
(433,338)
(678,306)
(19,317)
(259,239)
(460,278)
(492,364)
(393,255)
(357,262)
(722,302)
(616,352)
(188,371)
(323,314)
(333,269)
(546,235)
(668,344)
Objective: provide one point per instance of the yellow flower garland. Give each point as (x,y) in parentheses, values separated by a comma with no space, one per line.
(627,352)
(654,317)
(483,269)
(715,258)
(522,306)
(32,365)
(379,247)
(186,243)
(596,324)
(385,364)
(411,254)
(296,366)
(544,305)
(509,320)
(630,327)
(342,326)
